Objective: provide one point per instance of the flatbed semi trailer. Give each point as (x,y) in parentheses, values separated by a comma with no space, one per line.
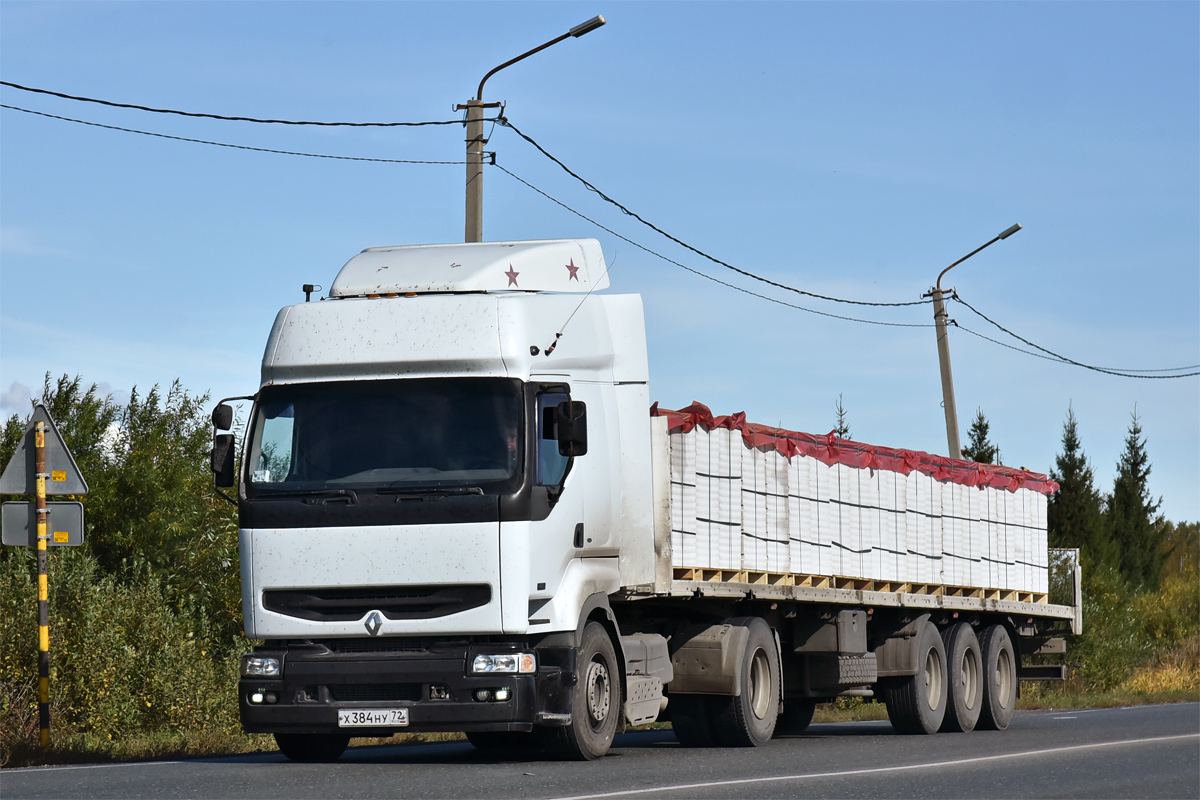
(458,511)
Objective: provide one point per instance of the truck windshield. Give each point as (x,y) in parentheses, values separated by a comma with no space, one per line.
(425,433)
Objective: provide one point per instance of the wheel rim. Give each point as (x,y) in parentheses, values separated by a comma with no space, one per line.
(933,679)
(760,684)
(1003,679)
(598,690)
(969,678)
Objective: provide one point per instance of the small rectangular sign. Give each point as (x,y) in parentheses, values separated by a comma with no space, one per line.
(58,475)
(64,524)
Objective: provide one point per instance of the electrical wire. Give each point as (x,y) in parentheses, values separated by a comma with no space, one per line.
(1055,356)
(591,187)
(696,271)
(1033,353)
(1044,352)
(224,144)
(224,118)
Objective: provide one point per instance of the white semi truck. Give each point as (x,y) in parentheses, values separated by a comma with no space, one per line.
(458,511)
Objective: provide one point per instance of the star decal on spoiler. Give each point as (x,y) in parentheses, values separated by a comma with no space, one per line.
(512,276)
(574,270)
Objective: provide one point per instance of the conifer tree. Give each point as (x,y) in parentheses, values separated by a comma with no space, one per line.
(1137,529)
(978,448)
(843,424)
(1075,515)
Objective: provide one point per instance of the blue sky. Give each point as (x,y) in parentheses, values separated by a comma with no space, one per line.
(851,149)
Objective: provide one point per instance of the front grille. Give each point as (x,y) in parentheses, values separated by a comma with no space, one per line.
(394,602)
(375,692)
(386,644)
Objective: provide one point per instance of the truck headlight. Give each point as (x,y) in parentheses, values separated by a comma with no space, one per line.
(260,667)
(509,662)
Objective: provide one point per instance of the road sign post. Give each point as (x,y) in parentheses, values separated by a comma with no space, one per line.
(42,465)
(43,606)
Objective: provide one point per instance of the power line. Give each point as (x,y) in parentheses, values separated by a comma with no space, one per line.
(591,187)
(698,272)
(1045,353)
(1064,359)
(224,118)
(224,144)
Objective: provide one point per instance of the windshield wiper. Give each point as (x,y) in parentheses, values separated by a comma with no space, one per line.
(429,491)
(302,494)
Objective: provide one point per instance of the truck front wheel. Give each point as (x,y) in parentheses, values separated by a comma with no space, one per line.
(312,747)
(502,740)
(595,702)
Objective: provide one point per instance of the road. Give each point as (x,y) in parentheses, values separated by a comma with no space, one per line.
(1138,752)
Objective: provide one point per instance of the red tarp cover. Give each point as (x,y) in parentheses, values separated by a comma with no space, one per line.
(831,450)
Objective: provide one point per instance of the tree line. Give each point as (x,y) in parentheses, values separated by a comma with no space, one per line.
(1121,530)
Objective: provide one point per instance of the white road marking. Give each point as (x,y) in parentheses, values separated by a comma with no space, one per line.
(93,766)
(679,787)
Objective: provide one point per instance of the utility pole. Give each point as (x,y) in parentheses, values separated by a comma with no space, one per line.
(475,140)
(943,341)
(475,143)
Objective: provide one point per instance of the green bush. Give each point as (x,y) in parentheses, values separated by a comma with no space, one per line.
(124,660)
(146,616)
(1113,640)
(1124,629)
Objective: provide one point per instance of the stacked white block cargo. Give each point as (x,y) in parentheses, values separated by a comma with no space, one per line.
(741,507)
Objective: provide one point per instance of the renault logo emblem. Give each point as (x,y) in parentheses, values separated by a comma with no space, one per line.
(374,623)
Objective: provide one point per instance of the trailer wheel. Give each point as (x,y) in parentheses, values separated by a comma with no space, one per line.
(595,702)
(312,747)
(691,720)
(502,740)
(748,720)
(999,679)
(964,668)
(917,703)
(796,717)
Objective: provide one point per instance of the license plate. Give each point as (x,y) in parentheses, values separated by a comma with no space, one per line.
(372,717)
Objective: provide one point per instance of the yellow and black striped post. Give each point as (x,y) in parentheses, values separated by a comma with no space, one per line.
(39,464)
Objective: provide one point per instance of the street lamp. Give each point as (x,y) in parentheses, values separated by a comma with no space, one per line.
(475,140)
(943,340)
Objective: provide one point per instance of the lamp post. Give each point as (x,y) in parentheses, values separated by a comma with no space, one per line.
(943,341)
(475,140)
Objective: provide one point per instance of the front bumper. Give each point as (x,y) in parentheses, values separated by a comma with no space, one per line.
(430,679)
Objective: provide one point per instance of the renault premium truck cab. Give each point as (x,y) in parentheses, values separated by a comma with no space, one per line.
(457,513)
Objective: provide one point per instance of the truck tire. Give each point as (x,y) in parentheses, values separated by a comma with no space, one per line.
(691,720)
(502,740)
(312,747)
(964,671)
(796,717)
(917,703)
(595,702)
(748,720)
(999,679)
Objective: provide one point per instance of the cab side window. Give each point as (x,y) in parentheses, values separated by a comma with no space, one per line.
(551,467)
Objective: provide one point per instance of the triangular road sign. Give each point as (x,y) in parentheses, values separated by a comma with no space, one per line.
(20,477)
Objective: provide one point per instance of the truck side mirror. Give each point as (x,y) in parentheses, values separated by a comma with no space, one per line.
(570,422)
(222,460)
(222,417)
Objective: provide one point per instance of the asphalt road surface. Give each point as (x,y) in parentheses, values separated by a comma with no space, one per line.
(1138,752)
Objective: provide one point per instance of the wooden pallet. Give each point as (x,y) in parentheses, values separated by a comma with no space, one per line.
(755,578)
